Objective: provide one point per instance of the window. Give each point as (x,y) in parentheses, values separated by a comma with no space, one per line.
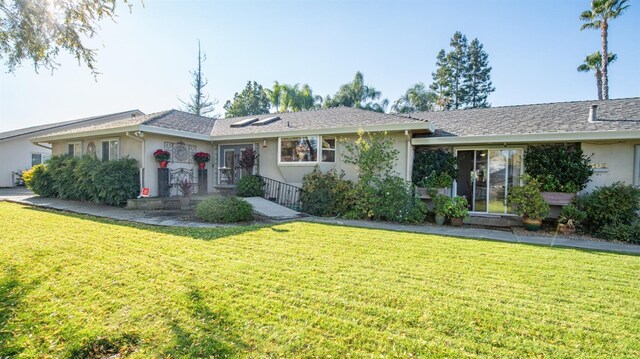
(299,149)
(110,150)
(74,149)
(36,159)
(328,149)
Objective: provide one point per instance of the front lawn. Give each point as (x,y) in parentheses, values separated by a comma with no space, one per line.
(73,286)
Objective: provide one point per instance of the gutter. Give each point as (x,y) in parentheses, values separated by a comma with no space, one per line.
(43,146)
(529,138)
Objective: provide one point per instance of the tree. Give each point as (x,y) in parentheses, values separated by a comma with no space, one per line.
(36,30)
(417,98)
(285,97)
(441,84)
(457,60)
(199,103)
(251,101)
(357,94)
(275,95)
(593,62)
(477,82)
(602,11)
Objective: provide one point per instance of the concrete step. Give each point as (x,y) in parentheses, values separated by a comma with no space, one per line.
(271,210)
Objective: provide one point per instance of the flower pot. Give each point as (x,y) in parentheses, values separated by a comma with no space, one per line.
(163,164)
(532,224)
(440,219)
(456,221)
(202,165)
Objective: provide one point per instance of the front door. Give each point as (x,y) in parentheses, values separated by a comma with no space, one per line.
(485,176)
(229,171)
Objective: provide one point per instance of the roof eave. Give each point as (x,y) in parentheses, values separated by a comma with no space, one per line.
(529,138)
(75,135)
(328,131)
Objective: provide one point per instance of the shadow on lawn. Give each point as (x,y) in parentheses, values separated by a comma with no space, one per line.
(214,336)
(191,232)
(12,291)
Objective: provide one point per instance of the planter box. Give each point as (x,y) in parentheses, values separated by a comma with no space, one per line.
(558,198)
(422,192)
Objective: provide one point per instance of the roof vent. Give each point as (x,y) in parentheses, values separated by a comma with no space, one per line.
(593,114)
(244,122)
(266,121)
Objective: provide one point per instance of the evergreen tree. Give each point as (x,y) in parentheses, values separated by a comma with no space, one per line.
(251,101)
(441,84)
(457,61)
(477,82)
(199,103)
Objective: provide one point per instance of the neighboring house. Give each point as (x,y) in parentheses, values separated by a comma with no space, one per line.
(17,153)
(490,143)
(289,144)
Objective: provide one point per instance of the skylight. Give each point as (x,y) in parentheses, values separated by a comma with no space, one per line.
(245,122)
(266,121)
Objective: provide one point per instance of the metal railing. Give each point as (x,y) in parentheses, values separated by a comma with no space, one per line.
(282,193)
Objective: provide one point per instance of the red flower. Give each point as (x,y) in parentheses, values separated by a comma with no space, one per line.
(201,157)
(161,155)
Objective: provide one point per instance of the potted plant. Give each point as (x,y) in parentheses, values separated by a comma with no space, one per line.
(162,157)
(457,209)
(440,204)
(201,158)
(434,169)
(570,218)
(185,187)
(528,203)
(435,183)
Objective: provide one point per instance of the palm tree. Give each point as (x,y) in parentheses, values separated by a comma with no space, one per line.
(593,62)
(275,95)
(416,98)
(357,94)
(598,18)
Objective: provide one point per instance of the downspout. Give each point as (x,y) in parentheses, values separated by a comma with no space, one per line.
(137,136)
(409,155)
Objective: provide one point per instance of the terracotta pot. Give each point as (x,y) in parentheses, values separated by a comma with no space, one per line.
(440,219)
(163,164)
(456,221)
(202,165)
(532,224)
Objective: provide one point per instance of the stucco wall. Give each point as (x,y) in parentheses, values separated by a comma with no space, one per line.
(619,158)
(15,154)
(293,172)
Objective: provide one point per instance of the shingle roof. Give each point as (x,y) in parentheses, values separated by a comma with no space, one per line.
(170,119)
(337,117)
(53,127)
(561,117)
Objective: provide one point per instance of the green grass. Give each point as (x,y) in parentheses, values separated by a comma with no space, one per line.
(74,286)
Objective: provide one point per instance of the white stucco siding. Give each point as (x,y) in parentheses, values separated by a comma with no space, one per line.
(15,154)
(294,172)
(619,158)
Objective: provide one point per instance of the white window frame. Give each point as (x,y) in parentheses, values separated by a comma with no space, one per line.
(636,166)
(42,158)
(334,149)
(111,158)
(77,145)
(318,151)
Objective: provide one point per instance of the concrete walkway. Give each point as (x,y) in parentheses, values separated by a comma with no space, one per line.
(163,218)
(271,210)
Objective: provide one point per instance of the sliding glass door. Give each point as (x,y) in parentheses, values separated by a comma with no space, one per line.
(485,176)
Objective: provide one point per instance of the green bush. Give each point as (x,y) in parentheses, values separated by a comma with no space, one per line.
(434,168)
(38,179)
(612,205)
(395,200)
(527,201)
(326,194)
(629,233)
(250,186)
(558,167)
(458,207)
(572,216)
(224,210)
(86,179)
(117,181)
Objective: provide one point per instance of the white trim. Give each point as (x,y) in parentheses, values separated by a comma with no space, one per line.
(300,163)
(528,138)
(217,159)
(85,134)
(322,149)
(109,140)
(636,166)
(42,159)
(75,143)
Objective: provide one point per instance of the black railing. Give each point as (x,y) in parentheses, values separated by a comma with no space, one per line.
(282,193)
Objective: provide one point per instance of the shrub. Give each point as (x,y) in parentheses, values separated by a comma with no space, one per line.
(458,207)
(117,181)
(558,167)
(85,173)
(374,155)
(620,232)
(38,179)
(434,168)
(572,216)
(224,210)
(527,201)
(395,200)
(612,205)
(440,204)
(250,186)
(326,194)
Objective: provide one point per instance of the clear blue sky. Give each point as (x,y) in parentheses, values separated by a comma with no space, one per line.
(534,47)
